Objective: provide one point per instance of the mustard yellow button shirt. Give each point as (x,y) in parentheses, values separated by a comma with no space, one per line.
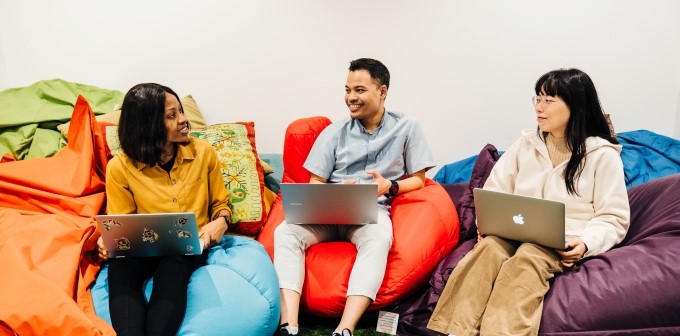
(194,184)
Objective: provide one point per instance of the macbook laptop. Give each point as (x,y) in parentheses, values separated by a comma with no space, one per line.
(150,235)
(330,203)
(520,218)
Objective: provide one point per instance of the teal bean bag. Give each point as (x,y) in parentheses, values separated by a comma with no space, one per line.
(236,293)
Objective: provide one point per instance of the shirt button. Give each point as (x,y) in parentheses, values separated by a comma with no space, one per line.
(174,200)
(173,181)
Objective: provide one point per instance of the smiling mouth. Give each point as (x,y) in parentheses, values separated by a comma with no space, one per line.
(354,107)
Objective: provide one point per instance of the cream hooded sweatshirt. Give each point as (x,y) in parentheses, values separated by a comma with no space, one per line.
(599,214)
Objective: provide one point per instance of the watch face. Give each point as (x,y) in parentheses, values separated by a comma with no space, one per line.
(394,189)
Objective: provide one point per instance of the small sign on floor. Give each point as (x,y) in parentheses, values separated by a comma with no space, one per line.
(387,322)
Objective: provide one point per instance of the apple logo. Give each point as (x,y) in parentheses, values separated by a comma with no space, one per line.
(518,219)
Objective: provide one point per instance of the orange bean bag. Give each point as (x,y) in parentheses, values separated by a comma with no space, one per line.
(425,225)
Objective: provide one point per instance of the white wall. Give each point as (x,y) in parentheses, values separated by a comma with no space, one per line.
(3,68)
(465,69)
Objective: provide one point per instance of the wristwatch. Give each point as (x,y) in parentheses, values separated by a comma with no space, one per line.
(227,219)
(394,189)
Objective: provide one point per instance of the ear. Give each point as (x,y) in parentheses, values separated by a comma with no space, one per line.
(383,91)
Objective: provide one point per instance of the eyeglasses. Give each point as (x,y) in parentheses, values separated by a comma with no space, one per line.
(546,100)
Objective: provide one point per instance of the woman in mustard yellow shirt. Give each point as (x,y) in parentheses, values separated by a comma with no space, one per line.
(160,170)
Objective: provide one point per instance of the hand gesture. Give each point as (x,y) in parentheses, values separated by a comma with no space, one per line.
(383,183)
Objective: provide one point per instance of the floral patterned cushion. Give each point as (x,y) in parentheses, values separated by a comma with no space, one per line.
(242,172)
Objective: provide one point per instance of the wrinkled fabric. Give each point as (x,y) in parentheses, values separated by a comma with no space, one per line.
(414,312)
(29,115)
(646,156)
(47,206)
(629,290)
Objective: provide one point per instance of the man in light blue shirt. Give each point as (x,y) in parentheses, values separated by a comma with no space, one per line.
(371,146)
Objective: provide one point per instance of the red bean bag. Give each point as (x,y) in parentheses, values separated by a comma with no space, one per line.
(425,225)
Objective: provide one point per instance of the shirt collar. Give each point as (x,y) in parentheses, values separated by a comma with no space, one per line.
(382,122)
(184,152)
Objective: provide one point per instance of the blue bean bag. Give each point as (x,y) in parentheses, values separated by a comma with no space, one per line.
(646,156)
(236,293)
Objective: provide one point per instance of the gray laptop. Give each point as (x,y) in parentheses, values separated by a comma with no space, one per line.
(330,203)
(520,218)
(149,235)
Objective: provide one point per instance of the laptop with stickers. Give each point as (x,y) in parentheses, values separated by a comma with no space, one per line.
(521,218)
(330,203)
(150,235)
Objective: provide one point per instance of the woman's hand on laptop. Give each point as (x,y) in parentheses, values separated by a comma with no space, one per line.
(212,232)
(102,252)
(573,252)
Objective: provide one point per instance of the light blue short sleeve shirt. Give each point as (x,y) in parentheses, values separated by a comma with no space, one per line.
(345,150)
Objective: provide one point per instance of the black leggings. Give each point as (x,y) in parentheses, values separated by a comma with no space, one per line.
(163,315)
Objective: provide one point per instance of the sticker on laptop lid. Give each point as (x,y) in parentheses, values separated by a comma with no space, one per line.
(149,236)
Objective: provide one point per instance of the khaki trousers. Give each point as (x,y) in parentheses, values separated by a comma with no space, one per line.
(497,289)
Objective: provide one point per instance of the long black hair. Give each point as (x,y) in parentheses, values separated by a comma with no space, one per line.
(141,129)
(586,118)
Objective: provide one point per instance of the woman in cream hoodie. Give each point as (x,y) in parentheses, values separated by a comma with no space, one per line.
(572,157)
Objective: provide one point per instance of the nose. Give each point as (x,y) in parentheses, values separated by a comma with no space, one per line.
(538,107)
(182,118)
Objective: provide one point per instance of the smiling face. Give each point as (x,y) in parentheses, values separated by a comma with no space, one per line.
(552,114)
(365,97)
(175,122)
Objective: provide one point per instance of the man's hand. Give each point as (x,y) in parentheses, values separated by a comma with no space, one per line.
(212,232)
(573,252)
(383,183)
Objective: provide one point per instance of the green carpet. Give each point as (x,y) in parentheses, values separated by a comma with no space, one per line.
(320,326)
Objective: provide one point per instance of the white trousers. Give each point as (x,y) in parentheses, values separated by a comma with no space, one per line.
(373,242)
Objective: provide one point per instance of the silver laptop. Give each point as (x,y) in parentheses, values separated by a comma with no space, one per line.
(330,203)
(150,235)
(520,218)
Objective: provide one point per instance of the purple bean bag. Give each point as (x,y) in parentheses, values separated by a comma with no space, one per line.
(633,289)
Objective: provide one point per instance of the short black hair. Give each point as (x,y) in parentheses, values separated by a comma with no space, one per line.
(375,68)
(141,128)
